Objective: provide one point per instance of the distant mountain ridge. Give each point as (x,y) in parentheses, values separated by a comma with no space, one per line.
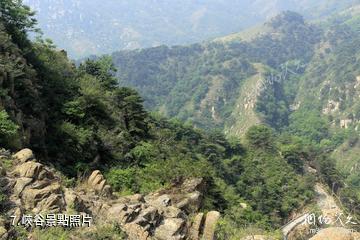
(216,84)
(97,27)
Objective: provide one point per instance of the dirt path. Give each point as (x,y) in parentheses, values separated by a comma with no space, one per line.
(325,201)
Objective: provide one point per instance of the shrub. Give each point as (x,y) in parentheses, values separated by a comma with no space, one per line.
(8,130)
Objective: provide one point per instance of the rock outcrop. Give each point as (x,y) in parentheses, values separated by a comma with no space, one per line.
(210,224)
(33,187)
(335,233)
(24,155)
(167,214)
(97,182)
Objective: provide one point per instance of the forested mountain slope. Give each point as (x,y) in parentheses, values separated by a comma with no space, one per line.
(208,84)
(85,27)
(78,119)
(300,78)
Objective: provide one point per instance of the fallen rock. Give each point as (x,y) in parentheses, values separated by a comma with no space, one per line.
(210,225)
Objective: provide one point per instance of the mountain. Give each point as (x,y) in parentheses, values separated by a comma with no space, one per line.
(93,27)
(95,143)
(301,78)
(263,74)
(268,134)
(216,84)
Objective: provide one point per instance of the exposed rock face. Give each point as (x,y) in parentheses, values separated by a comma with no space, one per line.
(24,155)
(171,229)
(196,227)
(97,182)
(335,233)
(35,188)
(162,215)
(210,224)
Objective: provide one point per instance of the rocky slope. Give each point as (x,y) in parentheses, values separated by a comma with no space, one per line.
(168,214)
(173,213)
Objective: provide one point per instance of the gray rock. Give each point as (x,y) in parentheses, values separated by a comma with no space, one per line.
(194,233)
(171,229)
(210,225)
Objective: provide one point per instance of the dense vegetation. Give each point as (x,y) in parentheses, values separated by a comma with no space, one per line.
(79,119)
(300,79)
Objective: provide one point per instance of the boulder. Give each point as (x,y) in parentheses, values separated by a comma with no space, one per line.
(171,229)
(4,154)
(243,205)
(192,185)
(192,202)
(24,155)
(210,225)
(334,233)
(35,187)
(196,226)
(97,182)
